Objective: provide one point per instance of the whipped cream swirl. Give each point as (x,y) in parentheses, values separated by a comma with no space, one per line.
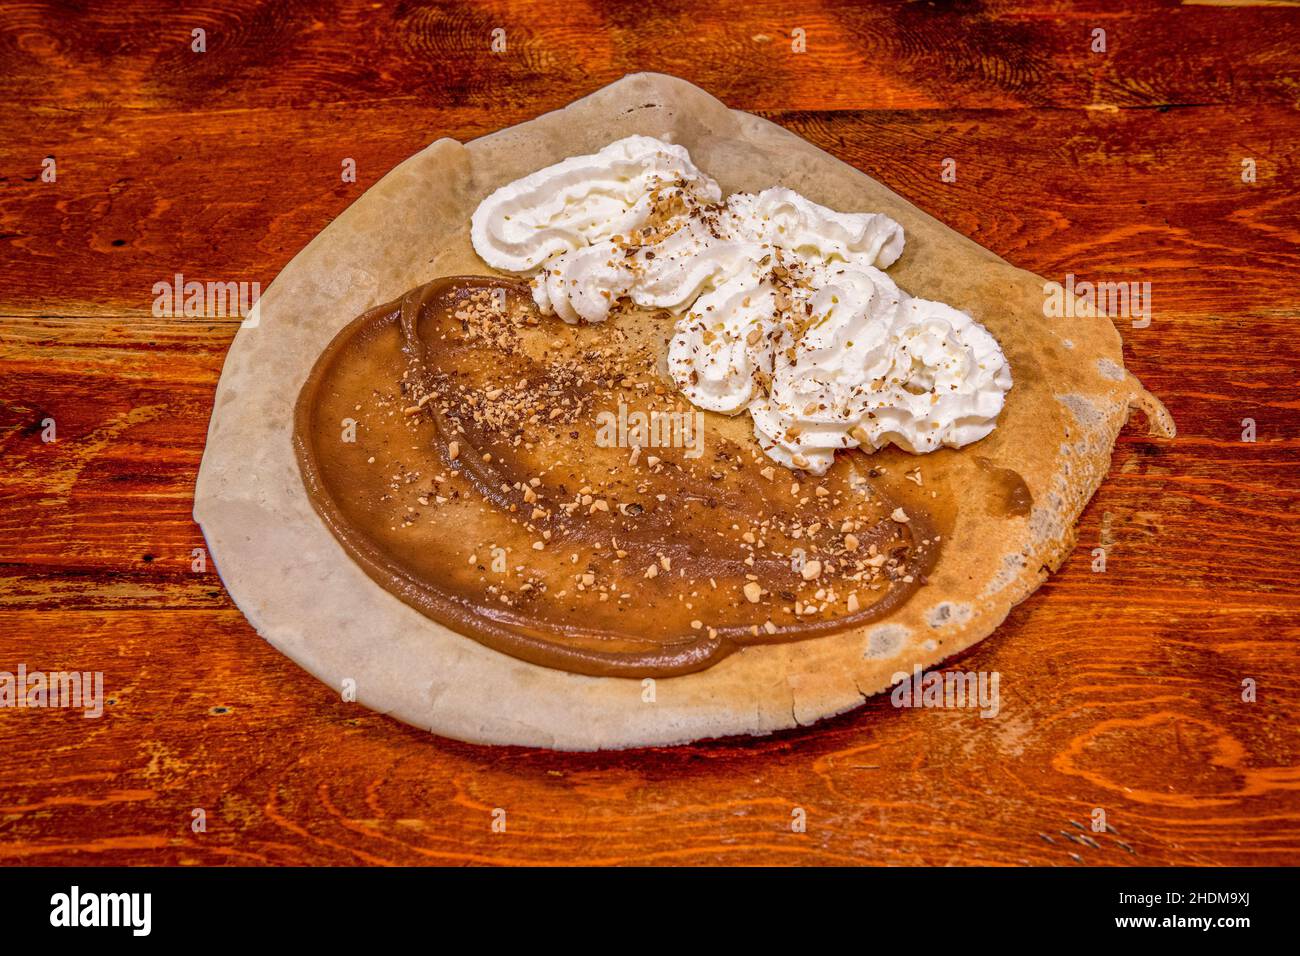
(782,307)
(579,201)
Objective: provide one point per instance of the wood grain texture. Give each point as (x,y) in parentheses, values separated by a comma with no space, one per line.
(1120,690)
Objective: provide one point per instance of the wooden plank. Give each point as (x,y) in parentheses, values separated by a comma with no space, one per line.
(1138,195)
(894,55)
(204,715)
(1100,673)
(1120,690)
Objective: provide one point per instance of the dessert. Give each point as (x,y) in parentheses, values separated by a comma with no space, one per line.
(381,598)
(479,489)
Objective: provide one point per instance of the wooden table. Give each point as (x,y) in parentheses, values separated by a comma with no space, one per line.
(1121,690)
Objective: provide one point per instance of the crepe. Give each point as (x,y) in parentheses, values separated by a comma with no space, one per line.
(305,595)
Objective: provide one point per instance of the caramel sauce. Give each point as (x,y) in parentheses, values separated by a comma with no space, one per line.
(491,468)
(1009,496)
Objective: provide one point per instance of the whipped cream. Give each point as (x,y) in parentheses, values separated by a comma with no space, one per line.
(782,307)
(579,201)
(874,367)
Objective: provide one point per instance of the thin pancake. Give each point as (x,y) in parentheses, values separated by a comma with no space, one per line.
(302,590)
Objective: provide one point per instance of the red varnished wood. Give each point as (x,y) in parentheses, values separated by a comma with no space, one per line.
(1120,690)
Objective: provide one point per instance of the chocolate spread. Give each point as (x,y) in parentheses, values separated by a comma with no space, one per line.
(543,489)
